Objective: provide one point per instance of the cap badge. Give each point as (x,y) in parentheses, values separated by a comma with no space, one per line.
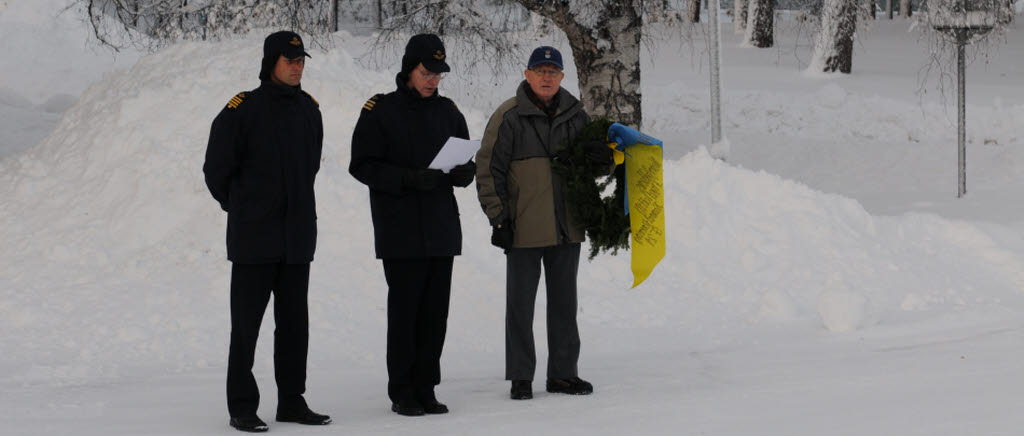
(547,54)
(439,55)
(295,41)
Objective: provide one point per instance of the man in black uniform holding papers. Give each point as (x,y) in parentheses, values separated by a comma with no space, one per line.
(415,216)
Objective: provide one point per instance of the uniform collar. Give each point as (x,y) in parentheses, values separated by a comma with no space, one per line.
(401,79)
(279,90)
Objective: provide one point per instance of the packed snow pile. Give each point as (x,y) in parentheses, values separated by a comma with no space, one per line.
(113,262)
(49,42)
(50,61)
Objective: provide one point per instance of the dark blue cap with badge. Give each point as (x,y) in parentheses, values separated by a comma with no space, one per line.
(425,48)
(545,55)
(284,43)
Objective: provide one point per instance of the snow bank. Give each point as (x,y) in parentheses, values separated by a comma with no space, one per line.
(746,247)
(69,59)
(113,261)
(50,61)
(828,111)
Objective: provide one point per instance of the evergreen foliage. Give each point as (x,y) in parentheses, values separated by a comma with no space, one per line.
(603,218)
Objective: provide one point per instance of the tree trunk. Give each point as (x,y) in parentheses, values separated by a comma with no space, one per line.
(693,10)
(607,57)
(872,5)
(833,48)
(888,6)
(739,15)
(334,16)
(905,9)
(760,24)
(1006,16)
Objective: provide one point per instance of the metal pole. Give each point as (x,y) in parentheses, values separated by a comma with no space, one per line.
(716,94)
(961,40)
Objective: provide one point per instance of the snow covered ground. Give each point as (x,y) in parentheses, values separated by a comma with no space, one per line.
(823,281)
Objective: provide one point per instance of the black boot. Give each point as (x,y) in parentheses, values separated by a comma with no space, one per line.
(521,390)
(251,424)
(408,407)
(571,386)
(430,404)
(303,416)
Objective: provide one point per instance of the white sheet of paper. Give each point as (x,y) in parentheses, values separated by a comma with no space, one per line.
(456,151)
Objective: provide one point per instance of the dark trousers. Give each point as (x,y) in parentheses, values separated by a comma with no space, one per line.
(251,286)
(418,293)
(561,263)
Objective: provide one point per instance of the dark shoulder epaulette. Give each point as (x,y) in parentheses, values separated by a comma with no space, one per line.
(450,101)
(236,101)
(368,106)
(311,98)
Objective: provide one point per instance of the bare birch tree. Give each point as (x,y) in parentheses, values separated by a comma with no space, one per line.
(833,46)
(739,15)
(153,23)
(905,8)
(760,30)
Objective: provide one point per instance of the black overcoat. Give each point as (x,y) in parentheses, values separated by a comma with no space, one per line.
(261,163)
(397,132)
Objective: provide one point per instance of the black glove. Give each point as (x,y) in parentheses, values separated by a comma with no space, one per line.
(462,175)
(598,152)
(501,235)
(424,179)
(564,156)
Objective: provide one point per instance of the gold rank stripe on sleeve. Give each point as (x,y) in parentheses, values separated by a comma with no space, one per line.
(371,103)
(236,100)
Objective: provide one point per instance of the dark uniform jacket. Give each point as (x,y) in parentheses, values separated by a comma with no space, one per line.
(514,180)
(261,162)
(397,132)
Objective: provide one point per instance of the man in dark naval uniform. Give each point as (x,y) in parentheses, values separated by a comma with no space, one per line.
(261,163)
(415,217)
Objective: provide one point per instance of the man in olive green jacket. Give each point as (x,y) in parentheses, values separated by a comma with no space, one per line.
(525,203)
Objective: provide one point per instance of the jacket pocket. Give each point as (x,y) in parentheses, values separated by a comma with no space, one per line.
(531,198)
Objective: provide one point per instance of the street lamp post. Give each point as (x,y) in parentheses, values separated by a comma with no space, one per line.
(964,22)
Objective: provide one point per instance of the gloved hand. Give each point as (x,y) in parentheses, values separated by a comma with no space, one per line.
(501,235)
(564,156)
(598,152)
(424,179)
(462,175)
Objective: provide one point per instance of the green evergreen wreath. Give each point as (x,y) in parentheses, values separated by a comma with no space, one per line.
(603,218)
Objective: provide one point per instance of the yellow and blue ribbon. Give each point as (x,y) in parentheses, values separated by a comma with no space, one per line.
(645,196)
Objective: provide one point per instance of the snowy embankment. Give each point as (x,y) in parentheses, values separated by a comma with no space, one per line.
(50,60)
(113,259)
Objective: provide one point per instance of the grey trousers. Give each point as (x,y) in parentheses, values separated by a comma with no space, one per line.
(561,264)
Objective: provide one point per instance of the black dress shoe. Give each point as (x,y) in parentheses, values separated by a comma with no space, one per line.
(571,386)
(521,390)
(251,424)
(434,408)
(408,408)
(430,404)
(304,416)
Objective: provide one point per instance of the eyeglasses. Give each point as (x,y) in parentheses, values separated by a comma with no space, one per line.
(546,72)
(427,75)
